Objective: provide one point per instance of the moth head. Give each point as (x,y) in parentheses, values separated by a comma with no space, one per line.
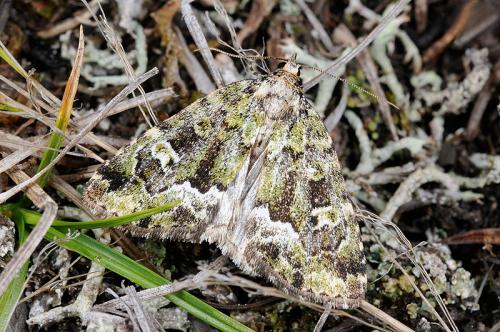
(292,68)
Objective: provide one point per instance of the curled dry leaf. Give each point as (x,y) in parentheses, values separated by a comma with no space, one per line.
(486,236)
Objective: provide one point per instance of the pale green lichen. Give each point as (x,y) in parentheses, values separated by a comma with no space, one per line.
(462,285)
(453,283)
(412,310)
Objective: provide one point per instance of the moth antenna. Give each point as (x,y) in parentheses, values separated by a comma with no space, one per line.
(260,57)
(268,57)
(352,85)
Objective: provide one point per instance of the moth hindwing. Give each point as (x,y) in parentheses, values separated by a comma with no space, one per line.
(257,175)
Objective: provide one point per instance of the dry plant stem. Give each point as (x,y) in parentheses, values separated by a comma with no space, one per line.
(395,11)
(82,175)
(200,40)
(31,114)
(433,52)
(16,157)
(365,60)
(71,193)
(311,17)
(44,93)
(260,9)
(84,131)
(53,109)
(495,328)
(193,67)
(28,95)
(322,320)
(209,277)
(155,98)
(42,201)
(4,13)
(383,317)
(39,143)
(79,17)
(141,316)
(483,283)
(59,279)
(115,44)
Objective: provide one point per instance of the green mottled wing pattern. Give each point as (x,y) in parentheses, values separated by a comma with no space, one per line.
(187,157)
(302,231)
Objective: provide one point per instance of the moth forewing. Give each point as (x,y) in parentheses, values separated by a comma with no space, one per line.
(258,176)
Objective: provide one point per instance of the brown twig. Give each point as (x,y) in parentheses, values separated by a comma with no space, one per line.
(433,52)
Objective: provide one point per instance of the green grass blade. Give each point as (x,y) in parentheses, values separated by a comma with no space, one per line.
(32,217)
(7,57)
(139,274)
(8,300)
(5,107)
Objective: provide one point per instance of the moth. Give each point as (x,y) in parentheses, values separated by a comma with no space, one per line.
(258,176)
